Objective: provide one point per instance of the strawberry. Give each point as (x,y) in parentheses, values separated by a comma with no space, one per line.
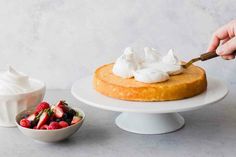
(35,127)
(31,117)
(60,104)
(44,127)
(53,126)
(42,106)
(42,120)
(65,109)
(75,120)
(58,112)
(63,105)
(25,123)
(63,124)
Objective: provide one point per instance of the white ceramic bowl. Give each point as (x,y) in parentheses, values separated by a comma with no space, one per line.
(49,135)
(11,105)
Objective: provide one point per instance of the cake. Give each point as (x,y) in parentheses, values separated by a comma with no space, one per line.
(188,84)
(153,78)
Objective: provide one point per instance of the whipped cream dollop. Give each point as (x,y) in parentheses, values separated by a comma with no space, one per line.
(168,63)
(13,82)
(171,63)
(153,68)
(151,55)
(170,58)
(126,64)
(150,75)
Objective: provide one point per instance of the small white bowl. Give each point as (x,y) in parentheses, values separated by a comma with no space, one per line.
(11,105)
(49,136)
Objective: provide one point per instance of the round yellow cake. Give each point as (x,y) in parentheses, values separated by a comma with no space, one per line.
(188,84)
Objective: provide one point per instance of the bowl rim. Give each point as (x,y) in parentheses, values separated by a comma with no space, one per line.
(41,130)
(42,86)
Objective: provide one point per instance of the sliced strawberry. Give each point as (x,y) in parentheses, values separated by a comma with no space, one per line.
(31,117)
(42,106)
(75,120)
(58,112)
(65,109)
(63,105)
(62,102)
(42,120)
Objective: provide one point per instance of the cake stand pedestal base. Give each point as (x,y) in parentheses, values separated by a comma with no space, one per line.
(143,123)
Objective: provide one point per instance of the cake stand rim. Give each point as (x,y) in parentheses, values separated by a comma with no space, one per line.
(126,107)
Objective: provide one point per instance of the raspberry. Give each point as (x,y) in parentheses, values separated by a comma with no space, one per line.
(44,127)
(53,126)
(42,106)
(25,123)
(63,124)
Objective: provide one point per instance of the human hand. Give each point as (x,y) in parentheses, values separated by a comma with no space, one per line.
(224,41)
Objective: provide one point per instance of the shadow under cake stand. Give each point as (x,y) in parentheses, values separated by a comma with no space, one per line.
(148,117)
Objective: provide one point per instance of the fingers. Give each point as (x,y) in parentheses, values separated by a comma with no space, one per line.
(220,34)
(226,36)
(214,43)
(227,48)
(225,40)
(232,29)
(228,57)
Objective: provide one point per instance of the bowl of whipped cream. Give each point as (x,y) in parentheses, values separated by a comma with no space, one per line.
(18,92)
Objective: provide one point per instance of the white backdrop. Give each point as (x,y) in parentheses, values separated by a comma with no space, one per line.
(59,41)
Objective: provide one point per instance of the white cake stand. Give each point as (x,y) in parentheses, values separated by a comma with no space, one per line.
(148,117)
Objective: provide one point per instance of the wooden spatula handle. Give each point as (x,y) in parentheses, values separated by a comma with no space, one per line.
(208,55)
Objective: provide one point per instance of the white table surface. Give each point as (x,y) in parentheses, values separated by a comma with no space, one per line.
(209,131)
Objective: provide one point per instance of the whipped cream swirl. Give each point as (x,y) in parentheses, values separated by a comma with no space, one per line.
(171,64)
(151,55)
(126,64)
(13,82)
(168,63)
(170,58)
(154,68)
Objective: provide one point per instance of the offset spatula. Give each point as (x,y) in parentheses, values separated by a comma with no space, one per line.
(203,57)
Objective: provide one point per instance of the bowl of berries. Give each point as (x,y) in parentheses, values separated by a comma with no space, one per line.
(48,123)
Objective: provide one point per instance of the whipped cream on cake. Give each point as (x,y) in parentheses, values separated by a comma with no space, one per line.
(153,68)
(126,64)
(172,64)
(151,55)
(150,75)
